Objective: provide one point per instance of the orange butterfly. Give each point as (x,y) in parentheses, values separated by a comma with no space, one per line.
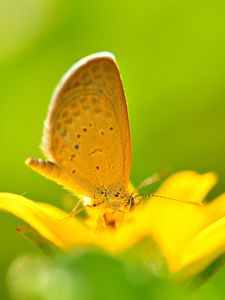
(87,137)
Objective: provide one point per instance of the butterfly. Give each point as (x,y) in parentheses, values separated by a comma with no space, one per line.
(86,135)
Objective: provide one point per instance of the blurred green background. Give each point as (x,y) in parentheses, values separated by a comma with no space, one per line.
(172,59)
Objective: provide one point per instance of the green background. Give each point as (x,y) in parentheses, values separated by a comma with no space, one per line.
(172,59)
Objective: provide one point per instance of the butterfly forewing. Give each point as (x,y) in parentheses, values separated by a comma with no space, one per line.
(87,129)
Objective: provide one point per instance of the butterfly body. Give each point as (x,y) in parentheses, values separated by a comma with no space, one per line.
(86,136)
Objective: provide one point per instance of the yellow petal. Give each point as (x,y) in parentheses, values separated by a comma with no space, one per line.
(188,185)
(216,208)
(207,246)
(190,237)
(209,243)
(173,224)
(50,222)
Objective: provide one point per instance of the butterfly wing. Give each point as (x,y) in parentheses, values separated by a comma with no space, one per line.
(87,129)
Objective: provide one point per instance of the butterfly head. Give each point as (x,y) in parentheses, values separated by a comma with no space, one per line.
(111,199)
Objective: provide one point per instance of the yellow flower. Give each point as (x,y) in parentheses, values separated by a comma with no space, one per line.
(190,237)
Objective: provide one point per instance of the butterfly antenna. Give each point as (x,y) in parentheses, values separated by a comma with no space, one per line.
(146,182)
(170,198)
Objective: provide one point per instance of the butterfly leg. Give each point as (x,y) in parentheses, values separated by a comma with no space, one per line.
(76,210)
(152,179)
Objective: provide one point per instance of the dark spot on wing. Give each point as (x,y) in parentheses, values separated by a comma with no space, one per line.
(96,150)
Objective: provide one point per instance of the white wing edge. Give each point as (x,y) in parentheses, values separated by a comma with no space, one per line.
(77,66)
